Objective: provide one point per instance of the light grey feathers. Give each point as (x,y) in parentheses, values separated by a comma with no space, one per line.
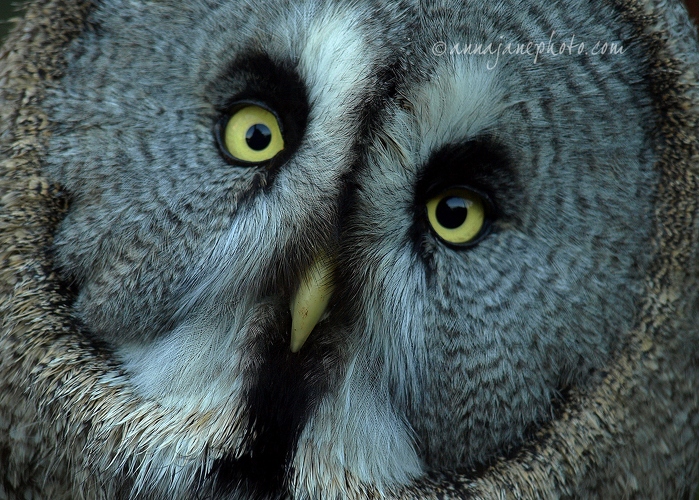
(482,195)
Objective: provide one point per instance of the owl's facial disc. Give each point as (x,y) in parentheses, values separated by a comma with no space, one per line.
(480,229)
(311,300)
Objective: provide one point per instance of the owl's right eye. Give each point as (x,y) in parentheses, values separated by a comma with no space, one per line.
(459,216)
(252,134)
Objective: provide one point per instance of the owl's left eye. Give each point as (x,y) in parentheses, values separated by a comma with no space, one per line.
(458,216)
(252,134)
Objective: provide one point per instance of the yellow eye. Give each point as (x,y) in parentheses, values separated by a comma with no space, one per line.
(458,216)
(252,134)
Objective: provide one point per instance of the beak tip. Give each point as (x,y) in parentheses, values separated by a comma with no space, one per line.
(310,302)
(299,335)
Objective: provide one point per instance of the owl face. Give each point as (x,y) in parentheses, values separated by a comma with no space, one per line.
(474,222)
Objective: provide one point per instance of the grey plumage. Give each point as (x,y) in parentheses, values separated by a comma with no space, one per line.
(173,250)
(180,265)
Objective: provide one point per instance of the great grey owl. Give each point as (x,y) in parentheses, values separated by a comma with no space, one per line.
(356,241)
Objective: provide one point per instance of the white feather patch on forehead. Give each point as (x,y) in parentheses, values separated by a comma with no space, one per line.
(461,101)
(335,59)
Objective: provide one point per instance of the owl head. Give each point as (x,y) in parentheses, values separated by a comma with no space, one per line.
(333,250)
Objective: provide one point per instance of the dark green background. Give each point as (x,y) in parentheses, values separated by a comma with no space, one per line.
(8,9)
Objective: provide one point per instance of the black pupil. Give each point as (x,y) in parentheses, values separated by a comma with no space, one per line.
(258,137)
(452,211)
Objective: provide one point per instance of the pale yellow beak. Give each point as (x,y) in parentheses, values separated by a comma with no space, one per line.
(310,300)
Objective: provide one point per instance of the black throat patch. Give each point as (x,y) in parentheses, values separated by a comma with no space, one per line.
(285,387)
